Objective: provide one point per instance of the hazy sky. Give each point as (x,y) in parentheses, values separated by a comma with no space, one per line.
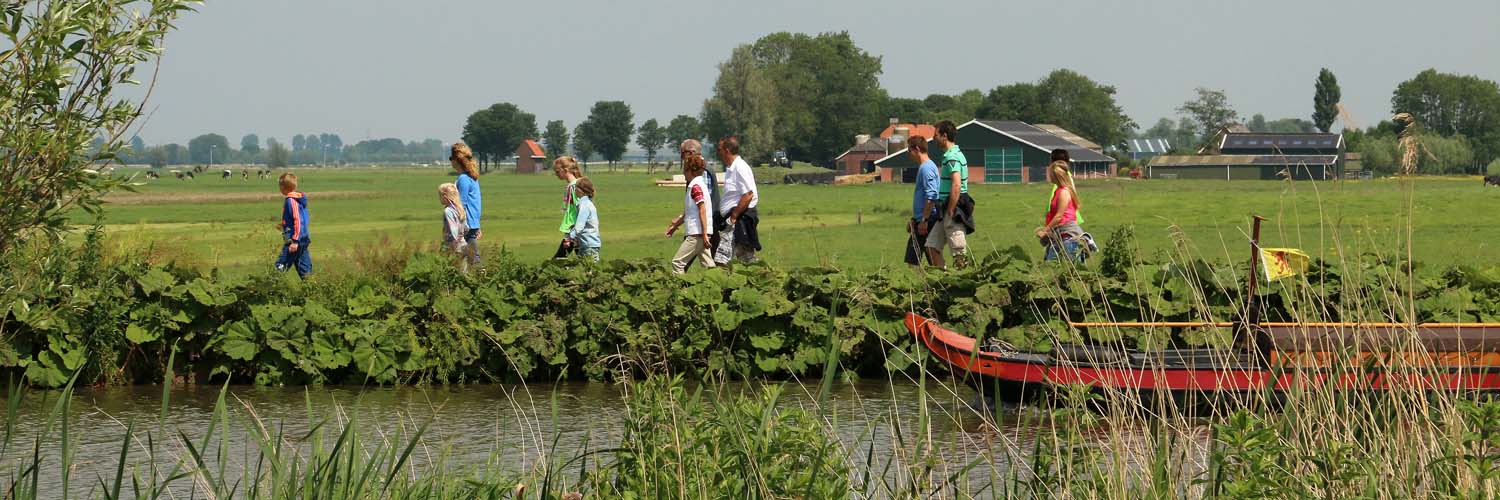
(416,69)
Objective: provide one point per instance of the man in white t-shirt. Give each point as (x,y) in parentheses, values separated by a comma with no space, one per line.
(737,213)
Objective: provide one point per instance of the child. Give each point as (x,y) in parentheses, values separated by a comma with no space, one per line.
(695,215)
(566,170)
(294,232)
(583,237)
(471,204)
(455,223)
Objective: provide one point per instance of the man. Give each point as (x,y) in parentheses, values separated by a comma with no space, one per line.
(954,205)
(737,206)
(924,201)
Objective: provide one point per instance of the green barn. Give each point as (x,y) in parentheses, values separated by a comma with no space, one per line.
(1244,167)
(1004,152)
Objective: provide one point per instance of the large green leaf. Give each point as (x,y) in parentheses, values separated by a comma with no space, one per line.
(136,334)
(238,341)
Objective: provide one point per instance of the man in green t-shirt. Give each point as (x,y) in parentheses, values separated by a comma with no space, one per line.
(953,182)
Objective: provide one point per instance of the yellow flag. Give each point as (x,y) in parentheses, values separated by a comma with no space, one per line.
(1283,262)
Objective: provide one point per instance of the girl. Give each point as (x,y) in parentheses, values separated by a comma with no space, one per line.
(471,202)
(1060,231)
(583,237)
(696,216)
(566,170)
(455,223)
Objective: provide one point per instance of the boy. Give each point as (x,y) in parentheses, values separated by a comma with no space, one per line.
(293,226)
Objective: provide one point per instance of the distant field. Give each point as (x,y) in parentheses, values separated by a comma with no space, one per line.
(230,224)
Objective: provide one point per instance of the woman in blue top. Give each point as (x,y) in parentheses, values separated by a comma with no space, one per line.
(468,193)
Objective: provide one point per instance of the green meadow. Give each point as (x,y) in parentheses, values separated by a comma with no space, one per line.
(231,224)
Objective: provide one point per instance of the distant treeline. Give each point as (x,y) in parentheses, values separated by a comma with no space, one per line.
(305,149)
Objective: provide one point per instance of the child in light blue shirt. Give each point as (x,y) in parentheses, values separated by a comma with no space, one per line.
(584,235)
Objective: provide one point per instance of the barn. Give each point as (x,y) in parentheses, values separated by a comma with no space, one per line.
(530,158)
(1244,167)
(861,158)
(1001,151)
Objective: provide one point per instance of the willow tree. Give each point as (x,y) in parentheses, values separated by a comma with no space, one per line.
(64,64)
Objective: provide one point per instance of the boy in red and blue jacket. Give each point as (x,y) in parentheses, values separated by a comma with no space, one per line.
(294,228)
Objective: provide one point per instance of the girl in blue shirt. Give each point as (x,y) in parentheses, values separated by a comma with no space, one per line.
(463,162)
(583,237)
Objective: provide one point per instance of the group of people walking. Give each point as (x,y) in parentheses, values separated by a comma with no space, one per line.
(719,219)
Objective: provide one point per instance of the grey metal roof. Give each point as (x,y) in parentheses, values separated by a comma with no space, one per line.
(875,144)
(1241,160)
(1069,136)
(1043,140)
(1281,141)
(1149,146)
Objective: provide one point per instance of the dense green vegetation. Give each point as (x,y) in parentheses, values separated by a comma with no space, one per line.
(410,317)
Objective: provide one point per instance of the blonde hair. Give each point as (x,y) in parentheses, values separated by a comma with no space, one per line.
(449,192)
(463,160)
(567,164)
(288,182)
(1062,176)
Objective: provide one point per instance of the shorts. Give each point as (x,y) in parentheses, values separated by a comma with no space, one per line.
(949,232)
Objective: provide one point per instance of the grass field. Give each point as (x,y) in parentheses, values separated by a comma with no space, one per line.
(230,224)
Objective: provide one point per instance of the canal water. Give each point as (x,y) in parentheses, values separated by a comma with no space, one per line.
(514,426)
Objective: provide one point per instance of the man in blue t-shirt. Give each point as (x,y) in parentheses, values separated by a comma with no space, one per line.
(924,200)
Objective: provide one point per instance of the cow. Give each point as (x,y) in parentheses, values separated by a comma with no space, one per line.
(1492,180)
(244,175)
(227,173)
(189,175)
(151,174)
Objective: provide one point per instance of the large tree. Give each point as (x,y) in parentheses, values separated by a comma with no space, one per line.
(1064,98)
(805,93)
(650,138)
(608,129)
(1211,111)
(555,138)
(1325,100)
(250,144)
(276,154)
(299,143)
(208,148)
(1450,105)
(494,132)
(682,128)
(582,148)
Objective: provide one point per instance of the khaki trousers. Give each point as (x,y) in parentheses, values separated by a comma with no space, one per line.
(692,248)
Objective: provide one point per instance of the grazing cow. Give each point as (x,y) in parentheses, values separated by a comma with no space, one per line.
(1492,180)
(189,175)
(227,173)
(151,174)
(244,175)
(178,174)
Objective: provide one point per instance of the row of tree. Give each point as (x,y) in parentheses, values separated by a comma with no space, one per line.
(495,132)
(308,149)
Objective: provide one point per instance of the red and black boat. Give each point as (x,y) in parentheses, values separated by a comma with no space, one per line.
(1266,356)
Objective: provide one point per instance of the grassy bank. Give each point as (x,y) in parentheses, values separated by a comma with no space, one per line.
(230,224)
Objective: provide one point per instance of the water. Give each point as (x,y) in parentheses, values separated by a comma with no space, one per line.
(470,426)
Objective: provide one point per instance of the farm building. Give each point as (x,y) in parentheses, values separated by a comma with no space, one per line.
(1145,149)
(861,158)
(1244,167)
(530,158)
(1004,152)
(1254,143)
(1070,137)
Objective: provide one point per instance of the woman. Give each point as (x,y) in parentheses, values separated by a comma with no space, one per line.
(463,162)
(1060,231)
(566,169)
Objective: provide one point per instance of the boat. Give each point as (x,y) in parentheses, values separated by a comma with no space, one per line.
(1264,356)
(1362,356)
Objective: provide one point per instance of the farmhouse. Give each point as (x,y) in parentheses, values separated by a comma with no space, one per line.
(1235,155)
(861,158)
(1004,152)
(530,158)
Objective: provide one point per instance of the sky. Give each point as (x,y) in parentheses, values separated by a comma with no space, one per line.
(369,69)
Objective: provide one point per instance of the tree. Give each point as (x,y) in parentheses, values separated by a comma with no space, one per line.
(802,93)
(651,137)
(1064,98)
(250,144)
(137,148)
(1017,101)
(608,129)
(682,128)
(299,143)
(555,138)
(277,156)
(314,145)
(157,156)
(174,153)
(1257,123)
(494,132)
(742,105)
(1325,100)
(208,148)
(335,145)
(1452,105)
(581,146)
(1211,111)
(62,63)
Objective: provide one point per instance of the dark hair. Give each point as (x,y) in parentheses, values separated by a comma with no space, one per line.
(946,128)
(730,144)
(917,143)
(584,187)
(1060,155)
